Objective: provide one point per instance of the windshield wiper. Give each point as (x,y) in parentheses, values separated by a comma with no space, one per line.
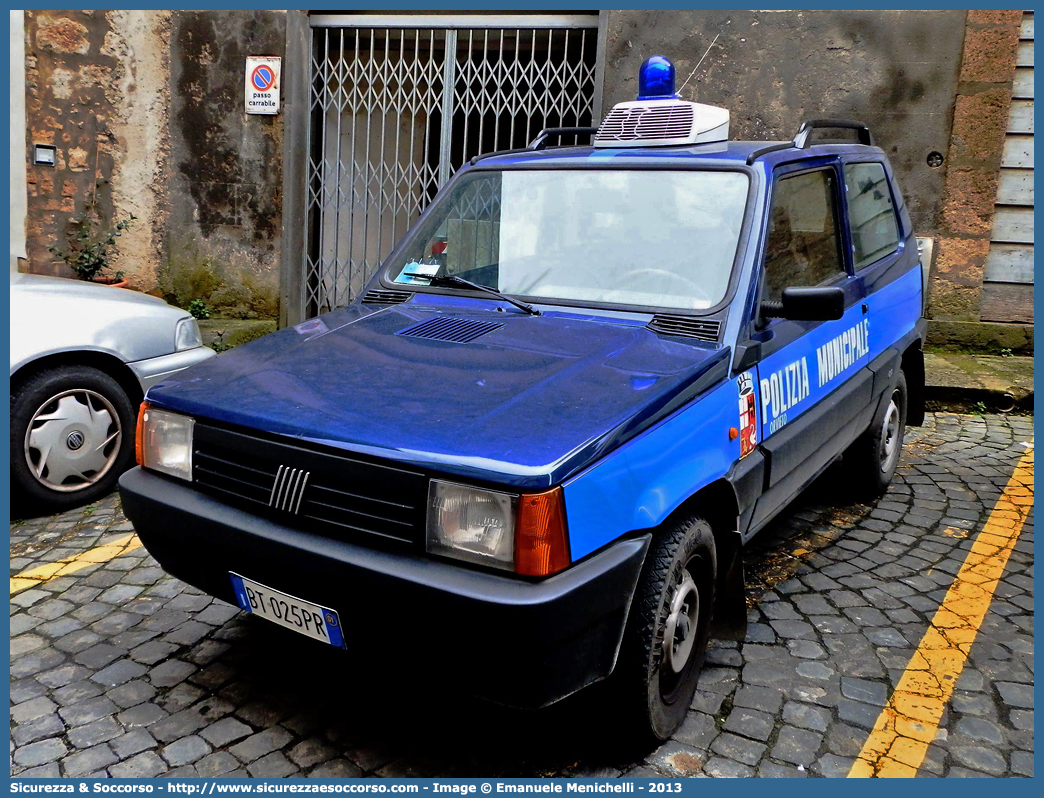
(452,279)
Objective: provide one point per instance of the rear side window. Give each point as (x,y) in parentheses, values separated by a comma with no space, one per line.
(871,216)
(803,246)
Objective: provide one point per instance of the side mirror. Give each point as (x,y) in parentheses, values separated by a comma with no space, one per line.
(813,303)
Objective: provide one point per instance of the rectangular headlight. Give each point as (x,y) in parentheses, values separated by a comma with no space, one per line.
(164,442)
(472,524)
(186,335)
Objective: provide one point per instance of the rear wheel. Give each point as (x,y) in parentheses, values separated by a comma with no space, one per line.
(873,458)
(668,628)
(72,435)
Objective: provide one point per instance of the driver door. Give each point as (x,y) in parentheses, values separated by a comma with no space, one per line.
(812,376)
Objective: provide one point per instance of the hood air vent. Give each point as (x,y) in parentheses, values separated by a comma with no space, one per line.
(384,296)
(687,327)
(448,328)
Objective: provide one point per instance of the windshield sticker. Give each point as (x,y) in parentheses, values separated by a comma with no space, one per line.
(748,414)
(418,273)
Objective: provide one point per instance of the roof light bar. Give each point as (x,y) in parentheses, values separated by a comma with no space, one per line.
(656,79)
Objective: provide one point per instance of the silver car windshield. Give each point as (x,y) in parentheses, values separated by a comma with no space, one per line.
(642,238)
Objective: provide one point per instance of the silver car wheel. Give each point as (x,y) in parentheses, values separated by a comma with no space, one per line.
(679,634)
(888,449)
(73,440)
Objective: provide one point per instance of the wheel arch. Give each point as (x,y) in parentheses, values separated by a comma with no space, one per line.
(718,502)
(109,364)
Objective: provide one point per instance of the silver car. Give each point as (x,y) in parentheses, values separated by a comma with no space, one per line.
(82,357)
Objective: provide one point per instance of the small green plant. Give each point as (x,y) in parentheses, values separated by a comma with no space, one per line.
(980,408)
(219,345)
(1006,353)
(199,309)
(90,247)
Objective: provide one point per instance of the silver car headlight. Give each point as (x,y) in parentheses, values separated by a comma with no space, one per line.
(164,442)
(472,524)
(186,335)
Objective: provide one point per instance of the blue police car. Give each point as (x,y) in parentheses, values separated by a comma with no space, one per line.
(581,382)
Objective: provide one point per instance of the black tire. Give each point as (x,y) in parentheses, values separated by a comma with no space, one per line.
(651,690)
(867,461)
(30,495)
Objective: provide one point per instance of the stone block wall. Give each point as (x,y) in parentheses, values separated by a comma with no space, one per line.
(895,70)
(980,120)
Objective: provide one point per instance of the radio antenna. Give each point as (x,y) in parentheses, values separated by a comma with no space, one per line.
(699,62)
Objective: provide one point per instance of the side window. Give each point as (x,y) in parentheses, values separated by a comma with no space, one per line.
(803,243)
(871,216)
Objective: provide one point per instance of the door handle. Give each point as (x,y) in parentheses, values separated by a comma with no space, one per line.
(866,308)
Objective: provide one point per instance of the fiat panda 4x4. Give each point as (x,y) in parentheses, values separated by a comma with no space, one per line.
(531,451)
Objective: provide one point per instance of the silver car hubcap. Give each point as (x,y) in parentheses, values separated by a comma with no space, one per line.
(680,632)
(72,440)
(889,447)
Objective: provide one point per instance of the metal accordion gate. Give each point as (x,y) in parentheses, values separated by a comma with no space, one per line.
(399,103)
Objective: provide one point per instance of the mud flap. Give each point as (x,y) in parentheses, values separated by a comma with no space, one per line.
(730,601)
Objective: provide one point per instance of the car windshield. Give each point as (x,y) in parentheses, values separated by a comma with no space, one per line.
(648,238)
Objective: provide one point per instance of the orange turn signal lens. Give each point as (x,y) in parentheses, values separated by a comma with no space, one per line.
(139,435)
(541,543)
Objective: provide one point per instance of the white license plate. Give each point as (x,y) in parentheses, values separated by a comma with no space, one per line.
(311,620)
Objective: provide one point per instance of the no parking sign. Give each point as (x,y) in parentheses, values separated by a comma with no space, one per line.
(262,84)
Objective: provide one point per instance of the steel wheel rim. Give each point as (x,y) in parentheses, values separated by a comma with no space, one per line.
(679,634)
(72,440)
(888,450)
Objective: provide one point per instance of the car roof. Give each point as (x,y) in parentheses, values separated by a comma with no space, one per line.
(722,153)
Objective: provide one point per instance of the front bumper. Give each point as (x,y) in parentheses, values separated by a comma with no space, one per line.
(155,369)
(524,644)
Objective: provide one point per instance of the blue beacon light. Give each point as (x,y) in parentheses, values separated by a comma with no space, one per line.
(656,79)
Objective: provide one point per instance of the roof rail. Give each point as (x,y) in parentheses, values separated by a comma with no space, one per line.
(779,145)
(476,158)
(540,142)
(805,131)
(801,140)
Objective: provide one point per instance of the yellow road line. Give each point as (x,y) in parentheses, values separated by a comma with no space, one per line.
(907,725)
(70,565)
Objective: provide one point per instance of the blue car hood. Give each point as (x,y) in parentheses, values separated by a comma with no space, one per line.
(527,404)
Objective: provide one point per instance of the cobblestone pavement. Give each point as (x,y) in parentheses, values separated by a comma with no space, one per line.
(123,671)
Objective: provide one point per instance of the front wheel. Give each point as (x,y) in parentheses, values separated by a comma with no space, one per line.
(668,628)
(72,435)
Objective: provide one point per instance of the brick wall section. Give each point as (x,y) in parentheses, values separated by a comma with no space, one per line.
(976,144)
(146,110)
(67,72)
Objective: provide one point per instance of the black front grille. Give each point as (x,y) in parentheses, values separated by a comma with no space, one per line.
(339,496)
